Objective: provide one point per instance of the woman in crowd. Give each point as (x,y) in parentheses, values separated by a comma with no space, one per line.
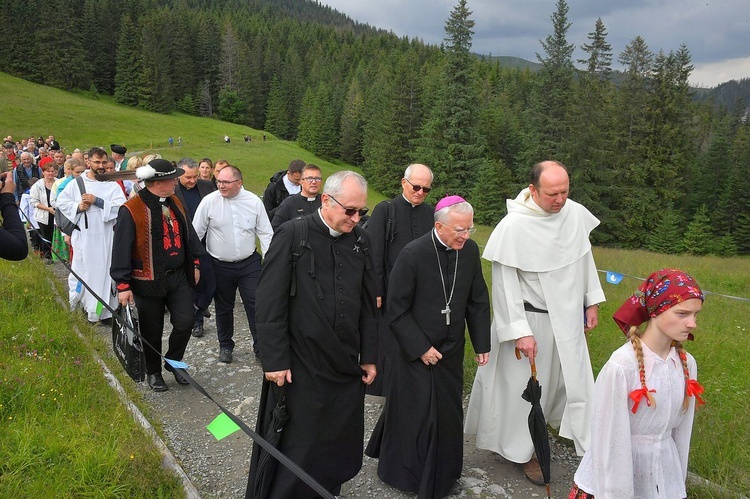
(44,213)
(206,170)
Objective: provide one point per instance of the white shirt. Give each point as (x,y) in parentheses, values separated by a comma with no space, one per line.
(642,455)
(291,187)
(231,224)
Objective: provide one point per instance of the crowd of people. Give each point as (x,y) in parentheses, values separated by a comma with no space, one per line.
(339,308)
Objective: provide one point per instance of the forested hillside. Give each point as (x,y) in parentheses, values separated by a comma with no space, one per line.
(661,170)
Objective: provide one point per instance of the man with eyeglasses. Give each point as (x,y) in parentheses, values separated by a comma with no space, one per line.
(95,213)
(230,219)
(318,333)
(394,224)
(436,293)
(304,203)
(545,292)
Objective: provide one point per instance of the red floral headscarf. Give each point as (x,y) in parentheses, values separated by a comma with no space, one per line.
(661,291)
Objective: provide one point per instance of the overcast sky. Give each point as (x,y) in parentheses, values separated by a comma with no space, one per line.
(717,33)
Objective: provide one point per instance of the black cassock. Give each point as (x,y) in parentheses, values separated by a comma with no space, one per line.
(419,437)
(323,341)
(410,222)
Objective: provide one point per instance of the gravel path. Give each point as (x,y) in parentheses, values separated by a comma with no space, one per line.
(219,468)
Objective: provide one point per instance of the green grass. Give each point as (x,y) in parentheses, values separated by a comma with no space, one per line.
(64,432)
(720,448)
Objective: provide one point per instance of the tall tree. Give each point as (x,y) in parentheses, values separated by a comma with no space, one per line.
(550,111)
(449,141)
(128,64)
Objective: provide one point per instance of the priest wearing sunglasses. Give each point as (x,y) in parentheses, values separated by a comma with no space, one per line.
(317,329)
(394,224)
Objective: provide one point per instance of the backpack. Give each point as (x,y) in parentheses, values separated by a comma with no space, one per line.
(65,225)
(301,244)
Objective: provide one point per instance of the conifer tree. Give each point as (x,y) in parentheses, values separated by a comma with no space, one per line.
(277,116)
(128,64)
(488,196)
(667,236)
(449,140)
(352,123)
(699,238)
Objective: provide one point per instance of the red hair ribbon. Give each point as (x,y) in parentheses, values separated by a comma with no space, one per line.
(694,389)
(637,395)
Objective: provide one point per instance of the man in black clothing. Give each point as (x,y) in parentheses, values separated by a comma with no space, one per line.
(283,184)
(190,191)
(13,244)
(318,334)
(394,224)
(155,263)
(304,203)
(24,173)
(437,293)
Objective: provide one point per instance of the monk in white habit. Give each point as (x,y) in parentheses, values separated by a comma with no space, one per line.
(95,213)
(545,296)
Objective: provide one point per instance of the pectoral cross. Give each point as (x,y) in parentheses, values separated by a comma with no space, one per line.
(447,312)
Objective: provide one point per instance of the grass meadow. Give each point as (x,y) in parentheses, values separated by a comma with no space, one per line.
(63,430)
(62,427)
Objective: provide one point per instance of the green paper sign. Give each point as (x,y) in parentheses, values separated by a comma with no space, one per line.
(222,426)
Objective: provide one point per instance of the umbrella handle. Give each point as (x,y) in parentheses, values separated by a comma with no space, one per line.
(533,364)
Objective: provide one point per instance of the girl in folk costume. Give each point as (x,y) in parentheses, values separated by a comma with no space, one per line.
(645,397)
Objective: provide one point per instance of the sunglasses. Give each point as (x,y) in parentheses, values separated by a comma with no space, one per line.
(418,188)
(350,212)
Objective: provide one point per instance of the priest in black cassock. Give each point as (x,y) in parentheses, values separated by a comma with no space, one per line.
(435,291)
(394,224)
(320,345)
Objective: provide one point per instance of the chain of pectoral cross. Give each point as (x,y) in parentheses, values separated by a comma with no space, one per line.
(447,310)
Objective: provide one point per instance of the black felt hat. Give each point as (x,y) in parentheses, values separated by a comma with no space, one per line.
(158,169)
(115,148)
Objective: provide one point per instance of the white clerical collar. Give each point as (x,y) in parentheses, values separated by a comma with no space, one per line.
(437,236)
(291,187)
(331,230)
(412,204)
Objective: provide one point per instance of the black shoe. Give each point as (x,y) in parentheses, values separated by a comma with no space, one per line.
(225,355)
(179,378)
(206,313)
(198,331)
(106,322)
(156,383)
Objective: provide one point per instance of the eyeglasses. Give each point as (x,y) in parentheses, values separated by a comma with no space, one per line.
(313,179)
(350,212)
(463,232)
(226,182)
(418,188)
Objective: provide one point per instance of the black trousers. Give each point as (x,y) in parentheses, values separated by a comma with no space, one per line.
(45,243)
(203,292)
(230,277)
(179,302)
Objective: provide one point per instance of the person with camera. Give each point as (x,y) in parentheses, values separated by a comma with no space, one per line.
(13,244)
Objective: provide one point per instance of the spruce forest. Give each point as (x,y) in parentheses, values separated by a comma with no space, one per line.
(662,169)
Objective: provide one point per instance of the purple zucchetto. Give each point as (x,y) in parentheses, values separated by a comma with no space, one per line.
(449,201)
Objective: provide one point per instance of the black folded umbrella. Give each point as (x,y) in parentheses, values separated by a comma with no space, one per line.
(538,425)
(266,463)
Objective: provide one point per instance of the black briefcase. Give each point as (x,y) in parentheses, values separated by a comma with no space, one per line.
(126,343)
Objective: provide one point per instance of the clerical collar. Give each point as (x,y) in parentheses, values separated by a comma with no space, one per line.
(310,199)
(437,236)
(412,204)
(161,200)
(334,233)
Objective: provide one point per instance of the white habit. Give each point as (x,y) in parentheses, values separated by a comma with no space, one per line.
(92,245)
(642,455)
(545,260)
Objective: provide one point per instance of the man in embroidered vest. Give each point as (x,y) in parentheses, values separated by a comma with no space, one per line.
(155,263)
(436,292)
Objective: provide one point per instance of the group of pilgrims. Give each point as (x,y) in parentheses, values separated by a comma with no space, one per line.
(383,308)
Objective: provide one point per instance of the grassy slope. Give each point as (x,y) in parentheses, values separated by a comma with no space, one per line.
(722,345)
